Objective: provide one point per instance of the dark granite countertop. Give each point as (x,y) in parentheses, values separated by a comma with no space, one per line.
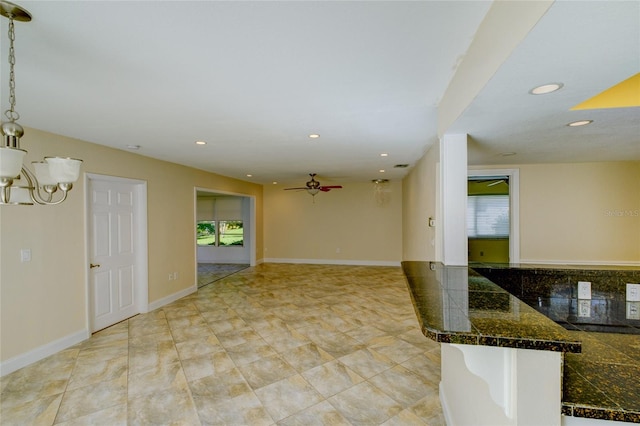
(454,304)
(602,381)
(601,370)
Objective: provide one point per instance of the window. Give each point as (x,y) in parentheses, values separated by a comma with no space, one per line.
(206,233)
(231,233)
(488,216)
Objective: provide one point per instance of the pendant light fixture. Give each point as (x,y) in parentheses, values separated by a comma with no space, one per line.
(19,185)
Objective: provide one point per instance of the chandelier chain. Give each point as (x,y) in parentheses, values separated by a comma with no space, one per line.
(11,114)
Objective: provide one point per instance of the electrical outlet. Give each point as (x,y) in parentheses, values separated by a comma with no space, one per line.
(584,290)
(633,292)
(584,308)
(633,310)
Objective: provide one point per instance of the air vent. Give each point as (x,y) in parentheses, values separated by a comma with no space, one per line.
(401,166)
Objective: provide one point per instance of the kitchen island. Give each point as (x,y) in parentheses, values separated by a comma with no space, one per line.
(503,362)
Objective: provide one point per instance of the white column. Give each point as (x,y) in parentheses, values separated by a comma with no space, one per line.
(453,196)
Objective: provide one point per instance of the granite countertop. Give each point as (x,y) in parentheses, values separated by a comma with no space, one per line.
(454,304)
(602,381)
(601,370)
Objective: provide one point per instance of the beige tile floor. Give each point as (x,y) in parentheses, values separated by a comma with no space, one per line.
(210,272)
(273,344)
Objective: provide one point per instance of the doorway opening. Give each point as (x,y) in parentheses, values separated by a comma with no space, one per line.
(492,216)
(225,234)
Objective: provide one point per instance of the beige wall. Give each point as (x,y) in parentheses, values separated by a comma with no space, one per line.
(568,212)
(418,205)
(45,299)
(584,213)
(348,219)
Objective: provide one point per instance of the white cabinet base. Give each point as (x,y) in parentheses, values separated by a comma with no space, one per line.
(488,385)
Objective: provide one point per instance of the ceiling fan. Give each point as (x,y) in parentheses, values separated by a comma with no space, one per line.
(313,186)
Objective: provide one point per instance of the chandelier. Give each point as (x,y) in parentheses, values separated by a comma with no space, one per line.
(381,191)
(19,185)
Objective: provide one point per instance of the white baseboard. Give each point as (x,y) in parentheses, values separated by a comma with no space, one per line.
(334,262)
(171,298)
(17,362)
(581,262)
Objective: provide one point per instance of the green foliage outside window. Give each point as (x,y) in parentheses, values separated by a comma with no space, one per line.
(229,233)
(206,233)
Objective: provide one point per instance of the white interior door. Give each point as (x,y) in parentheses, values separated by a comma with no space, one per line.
(112,252)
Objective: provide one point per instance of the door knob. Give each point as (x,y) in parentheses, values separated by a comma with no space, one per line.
(91,265)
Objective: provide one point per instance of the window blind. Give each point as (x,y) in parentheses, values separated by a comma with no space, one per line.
(488,216)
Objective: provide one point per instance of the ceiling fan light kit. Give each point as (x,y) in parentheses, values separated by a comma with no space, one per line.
(51,174)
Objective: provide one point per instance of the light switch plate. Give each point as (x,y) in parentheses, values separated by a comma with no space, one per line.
(584,290)
(633,292)
(25,255)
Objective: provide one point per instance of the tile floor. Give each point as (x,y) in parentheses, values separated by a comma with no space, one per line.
(210,272)
(272,344)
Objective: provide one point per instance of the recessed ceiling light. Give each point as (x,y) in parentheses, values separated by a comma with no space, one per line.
(274,182)
(546,88)
(384,154)
(381,170)
(314,136)
(249,175)
(133,147)
(507,154)
(580,123)
(201,143)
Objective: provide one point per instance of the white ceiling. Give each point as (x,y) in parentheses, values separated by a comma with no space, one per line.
(254,79)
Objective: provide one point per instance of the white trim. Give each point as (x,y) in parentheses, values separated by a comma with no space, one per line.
(446,411)
(334,262)
(34,355)
(581,262)
(172,298)
(514,206)
(252,231)
(141,241)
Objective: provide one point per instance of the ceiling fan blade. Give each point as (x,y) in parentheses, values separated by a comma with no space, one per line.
(329,188)
(289,189)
